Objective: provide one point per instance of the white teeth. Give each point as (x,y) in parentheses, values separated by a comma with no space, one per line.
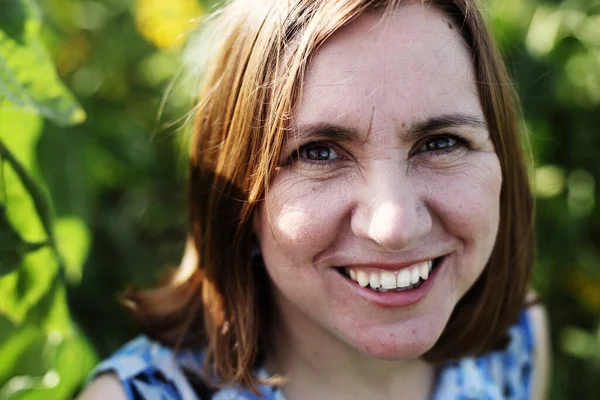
(374,280)
(388,280)
(403,278)
(424,269)
(383,281)
(414,275)
(362,278)
(352,274)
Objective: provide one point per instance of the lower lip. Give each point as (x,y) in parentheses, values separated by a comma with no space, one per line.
(395,299)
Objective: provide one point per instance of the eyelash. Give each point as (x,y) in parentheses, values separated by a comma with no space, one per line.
(460,140)
(295,156)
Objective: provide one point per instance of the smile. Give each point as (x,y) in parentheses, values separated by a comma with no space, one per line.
(380,280)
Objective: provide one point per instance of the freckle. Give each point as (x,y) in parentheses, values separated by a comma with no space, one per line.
(450,26)
(403,125)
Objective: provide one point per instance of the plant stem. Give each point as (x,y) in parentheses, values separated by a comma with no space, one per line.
(40,202)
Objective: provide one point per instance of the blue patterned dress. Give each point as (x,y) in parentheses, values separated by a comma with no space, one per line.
(150,371)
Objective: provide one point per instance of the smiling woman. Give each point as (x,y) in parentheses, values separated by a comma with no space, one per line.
(414,178)
(360,213)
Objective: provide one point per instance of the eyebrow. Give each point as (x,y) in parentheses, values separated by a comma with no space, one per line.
(325,130)
(414,132)
(444,121)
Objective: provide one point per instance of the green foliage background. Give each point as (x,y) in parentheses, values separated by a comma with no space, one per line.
(91,204)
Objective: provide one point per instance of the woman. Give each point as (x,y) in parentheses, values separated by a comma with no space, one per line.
(360,212)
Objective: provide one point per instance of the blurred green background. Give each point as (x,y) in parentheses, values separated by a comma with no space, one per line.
(93,201)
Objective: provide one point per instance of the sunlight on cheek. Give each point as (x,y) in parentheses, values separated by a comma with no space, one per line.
(290,222)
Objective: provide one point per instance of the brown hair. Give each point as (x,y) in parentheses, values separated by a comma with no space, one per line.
(219,298)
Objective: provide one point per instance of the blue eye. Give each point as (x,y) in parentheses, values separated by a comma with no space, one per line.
(317,152)
(440,143)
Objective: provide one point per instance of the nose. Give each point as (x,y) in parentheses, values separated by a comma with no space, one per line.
(390,210)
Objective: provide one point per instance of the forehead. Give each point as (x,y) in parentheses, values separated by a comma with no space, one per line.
(409,64)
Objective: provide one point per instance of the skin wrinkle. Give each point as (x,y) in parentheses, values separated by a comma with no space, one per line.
(414,134)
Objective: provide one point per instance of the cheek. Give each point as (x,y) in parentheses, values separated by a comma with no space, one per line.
(299,219)
(467,202)
(467,205)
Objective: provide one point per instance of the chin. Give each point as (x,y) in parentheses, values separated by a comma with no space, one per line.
(409,341)
(397,352)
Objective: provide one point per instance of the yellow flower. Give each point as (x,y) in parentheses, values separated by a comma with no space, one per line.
(166,23)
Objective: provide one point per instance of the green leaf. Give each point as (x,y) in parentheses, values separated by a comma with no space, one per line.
(12,247)
(73,363)
(41,203)
(73,241)
(27,75)
(21,343)
(51,311)
(74,359)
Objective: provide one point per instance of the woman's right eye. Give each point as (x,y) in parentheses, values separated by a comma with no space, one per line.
(317,153)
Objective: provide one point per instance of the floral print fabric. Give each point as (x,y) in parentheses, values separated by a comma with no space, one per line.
(150,371)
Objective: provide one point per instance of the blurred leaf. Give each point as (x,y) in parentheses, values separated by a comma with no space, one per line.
(581,344)
(21,342)
(31,360)
(581,200)
(73,241)
(43,366)
(71,365)
(12,246)
(12,20)
(543,30)
(27,76)
(51,312)
(41,203)
(21,290)
(74,362)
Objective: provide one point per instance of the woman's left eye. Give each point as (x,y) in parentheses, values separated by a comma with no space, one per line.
(439,143)
(442,144)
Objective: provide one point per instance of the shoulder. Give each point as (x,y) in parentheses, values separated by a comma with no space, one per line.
(105,386)
(541,354)
(531,345)
(527,358)
(145,369)
(517,372)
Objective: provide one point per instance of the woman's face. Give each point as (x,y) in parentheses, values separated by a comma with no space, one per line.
(389,171)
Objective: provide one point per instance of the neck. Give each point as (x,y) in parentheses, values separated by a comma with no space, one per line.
(319,365)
